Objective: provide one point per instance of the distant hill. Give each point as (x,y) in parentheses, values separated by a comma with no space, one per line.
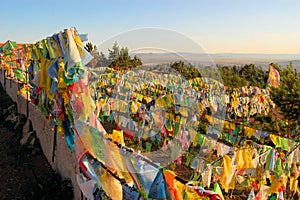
(221,59)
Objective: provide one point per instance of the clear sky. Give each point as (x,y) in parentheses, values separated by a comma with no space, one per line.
(238,26)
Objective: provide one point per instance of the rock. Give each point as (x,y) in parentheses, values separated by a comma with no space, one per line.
(9,118)
(11,108)
(12,118)
(27,127)
(31,142)
(27,137)
(17,125)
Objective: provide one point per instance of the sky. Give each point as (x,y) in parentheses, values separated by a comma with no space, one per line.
(217,26)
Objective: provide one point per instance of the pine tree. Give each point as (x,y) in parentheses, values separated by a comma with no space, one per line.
(287,95)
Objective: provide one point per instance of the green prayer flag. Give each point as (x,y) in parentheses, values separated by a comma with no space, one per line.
(200,139)
(169,125)
(285,144)
(218,190)
(189,158)
(278,168)
(176,128)
(148,146)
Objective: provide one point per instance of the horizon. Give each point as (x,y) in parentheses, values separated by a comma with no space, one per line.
(298,54)
(184,52)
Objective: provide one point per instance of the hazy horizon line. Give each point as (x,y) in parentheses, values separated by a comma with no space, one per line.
(250,53)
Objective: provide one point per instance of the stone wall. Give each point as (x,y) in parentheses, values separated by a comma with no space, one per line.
(64,161)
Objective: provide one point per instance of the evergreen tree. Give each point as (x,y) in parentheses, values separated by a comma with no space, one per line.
(287,95)
(118,59)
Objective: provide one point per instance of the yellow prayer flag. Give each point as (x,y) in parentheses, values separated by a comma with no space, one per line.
(293,184)
(243,158)
(273,138)
(117,136)
(134,107)
(248,131)
(226,172)
(275,185)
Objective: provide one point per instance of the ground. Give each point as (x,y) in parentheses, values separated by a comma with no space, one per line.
(16,170)
(24,171)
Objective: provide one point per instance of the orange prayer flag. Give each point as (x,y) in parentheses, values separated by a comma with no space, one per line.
(274,76)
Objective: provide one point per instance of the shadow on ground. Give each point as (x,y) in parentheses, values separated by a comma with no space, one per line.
(24,171)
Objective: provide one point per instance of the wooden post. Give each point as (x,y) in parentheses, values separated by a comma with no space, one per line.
(54,142)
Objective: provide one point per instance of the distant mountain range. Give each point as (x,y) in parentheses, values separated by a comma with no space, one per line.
(224,59)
